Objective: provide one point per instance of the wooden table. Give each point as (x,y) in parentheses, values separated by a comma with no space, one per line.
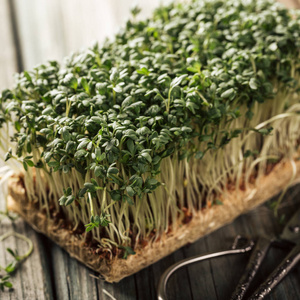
(49,273)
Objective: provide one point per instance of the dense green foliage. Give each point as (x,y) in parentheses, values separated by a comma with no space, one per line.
(170,84)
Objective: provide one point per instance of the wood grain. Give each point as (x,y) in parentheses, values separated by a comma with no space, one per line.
(69,25)
(8,64)
(290,3)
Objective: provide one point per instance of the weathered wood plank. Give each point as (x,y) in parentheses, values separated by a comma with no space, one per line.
(8,64)
(123,290)
(69,25)
(290,3)
(41,34)
(201,279)
(72,280)
(177,281)
(145,286)
(204,276)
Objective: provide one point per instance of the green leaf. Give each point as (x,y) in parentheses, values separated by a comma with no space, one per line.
(94,182)
(147,156)
(8,284)
(117,89)
(177,80)
(85,85)
(53,164)
(62,200)
(71,146)
(265,131)
(199,154)
(135,10)
(47,111)
(247,153)
(89,186)
(25,165)
(130,145)
(79,154)
(66,134)
(11,252)
(228,93)
(82,192)
(11,267)
(116,195)
(192,69)
(128,200)
(68,191)
(143,71)
(127,251)
(112,170)
(17,126)
(152,181)
(273,47)
(99,171)
(30,163)
(186,129)
(70,81)
(97,153)
(89,227)
(130,191)
(70,199)
(28,77)
(7,156)
(110,144)
(253,84)
(83,144)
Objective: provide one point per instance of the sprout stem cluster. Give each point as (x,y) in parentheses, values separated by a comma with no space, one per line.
(126,139)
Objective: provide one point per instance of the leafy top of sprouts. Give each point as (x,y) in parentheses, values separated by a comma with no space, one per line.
(162,86)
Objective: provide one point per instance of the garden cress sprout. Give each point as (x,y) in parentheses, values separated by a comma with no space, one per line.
(122,138)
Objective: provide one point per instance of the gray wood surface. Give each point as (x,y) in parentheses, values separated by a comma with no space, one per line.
(69,25)
(8,64)
(50,30)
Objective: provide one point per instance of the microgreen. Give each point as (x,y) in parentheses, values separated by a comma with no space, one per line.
(7,214)
(127,251)
(118,132)
(5,283)
(97,221)
(12,266)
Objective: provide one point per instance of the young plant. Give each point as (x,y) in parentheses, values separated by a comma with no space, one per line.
(124,137)
(18,259)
